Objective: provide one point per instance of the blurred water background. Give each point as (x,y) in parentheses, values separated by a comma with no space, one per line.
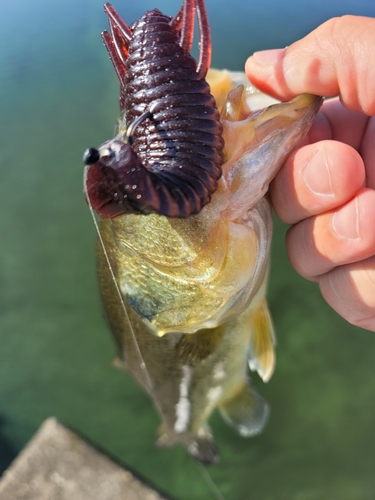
(59,94)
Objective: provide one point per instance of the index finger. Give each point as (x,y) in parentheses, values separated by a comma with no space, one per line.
(337,58)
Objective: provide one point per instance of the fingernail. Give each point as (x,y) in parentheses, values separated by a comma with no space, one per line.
(345,222)
(317,174)
(268,57)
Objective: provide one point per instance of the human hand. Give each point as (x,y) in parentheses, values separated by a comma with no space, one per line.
(326,188)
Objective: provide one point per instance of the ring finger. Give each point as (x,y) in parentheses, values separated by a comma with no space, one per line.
(318,244)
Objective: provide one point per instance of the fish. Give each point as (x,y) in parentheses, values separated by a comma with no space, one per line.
(184,292)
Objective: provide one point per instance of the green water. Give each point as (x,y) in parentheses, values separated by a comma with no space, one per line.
(59,95)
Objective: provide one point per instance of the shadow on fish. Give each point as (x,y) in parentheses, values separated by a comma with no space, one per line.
(185,224)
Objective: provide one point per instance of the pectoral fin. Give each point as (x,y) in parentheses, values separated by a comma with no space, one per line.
(261,352)
(246,412)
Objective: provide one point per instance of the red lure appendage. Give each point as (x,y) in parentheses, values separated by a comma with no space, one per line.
(171,159)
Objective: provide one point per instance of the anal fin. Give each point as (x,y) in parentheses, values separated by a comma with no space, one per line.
(246,411)
(261,353)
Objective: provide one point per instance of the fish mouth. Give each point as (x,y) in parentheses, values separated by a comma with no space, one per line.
(304,105)
(282,116)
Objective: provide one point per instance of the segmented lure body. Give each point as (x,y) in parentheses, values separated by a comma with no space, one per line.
(173,157)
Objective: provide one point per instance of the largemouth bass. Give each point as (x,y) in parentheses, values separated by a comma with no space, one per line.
(186,297)
(194,289)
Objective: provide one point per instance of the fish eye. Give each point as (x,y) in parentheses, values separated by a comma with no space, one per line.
(90,156)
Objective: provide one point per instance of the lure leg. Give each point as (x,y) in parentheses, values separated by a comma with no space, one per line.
(176,22)
(117,45)
(204,40)
(184,21)
(121,47)
(121,34)
(117,64)
(114,55)
(186,24)
(115,20)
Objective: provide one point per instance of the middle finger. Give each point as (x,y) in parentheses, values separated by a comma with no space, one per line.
(318,244)
(316,178)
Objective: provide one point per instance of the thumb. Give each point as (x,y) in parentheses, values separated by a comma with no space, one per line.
(337,58)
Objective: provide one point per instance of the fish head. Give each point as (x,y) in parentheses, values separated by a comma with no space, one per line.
(182,275)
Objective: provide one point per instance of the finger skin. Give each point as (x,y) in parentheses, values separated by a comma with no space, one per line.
(367,151)
(332,205)
(344,125)
(350,291)
(315,179)
(318,244)
(337,58)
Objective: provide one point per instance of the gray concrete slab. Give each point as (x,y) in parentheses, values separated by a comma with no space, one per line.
(57,464)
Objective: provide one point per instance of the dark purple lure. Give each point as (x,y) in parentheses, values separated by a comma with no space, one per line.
(170,160)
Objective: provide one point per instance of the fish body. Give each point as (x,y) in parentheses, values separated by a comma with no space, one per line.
(185,298)
(189,375)
(186,225)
